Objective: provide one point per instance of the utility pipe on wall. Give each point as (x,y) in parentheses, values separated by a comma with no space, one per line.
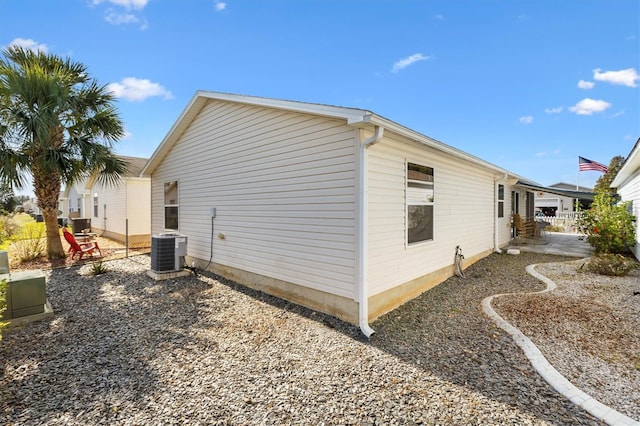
(363,232)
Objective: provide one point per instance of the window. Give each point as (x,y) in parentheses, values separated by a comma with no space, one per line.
(171,205)
(515,202)
(79,207)
(95,204)
(419,203)
(500,200)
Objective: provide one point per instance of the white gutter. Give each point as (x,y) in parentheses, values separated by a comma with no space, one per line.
(363,234)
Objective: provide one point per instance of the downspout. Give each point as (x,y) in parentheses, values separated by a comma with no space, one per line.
(496,245)
(363,240)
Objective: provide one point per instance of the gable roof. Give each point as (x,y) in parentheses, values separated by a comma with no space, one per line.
(571,187)
(136,164)
(134,169)
(571,193)
(630,167)
(355,117)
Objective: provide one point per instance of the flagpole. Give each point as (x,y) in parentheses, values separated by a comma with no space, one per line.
(578,184)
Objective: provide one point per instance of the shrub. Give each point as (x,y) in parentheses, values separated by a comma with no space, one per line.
(3,304)
(31,243)
(610,227)
(8,228)
(615,265)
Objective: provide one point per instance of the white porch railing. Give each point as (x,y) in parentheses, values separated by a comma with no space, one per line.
(565,221)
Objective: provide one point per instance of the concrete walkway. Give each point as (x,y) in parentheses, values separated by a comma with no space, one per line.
(558,243)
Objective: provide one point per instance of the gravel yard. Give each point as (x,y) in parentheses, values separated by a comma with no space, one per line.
(124,349)
(594,338)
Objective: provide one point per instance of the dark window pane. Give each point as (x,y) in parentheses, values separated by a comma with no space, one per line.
(420,223)
(171,217)
(500,208)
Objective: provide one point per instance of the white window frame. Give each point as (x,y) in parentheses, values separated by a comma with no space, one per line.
(500,212)
(172,203)
(414,198)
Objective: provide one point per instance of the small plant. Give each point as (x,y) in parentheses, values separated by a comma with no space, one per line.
(30,244)
(98,268)
(615,265)
(3,304)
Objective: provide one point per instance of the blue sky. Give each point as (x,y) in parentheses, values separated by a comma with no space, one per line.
(527,85)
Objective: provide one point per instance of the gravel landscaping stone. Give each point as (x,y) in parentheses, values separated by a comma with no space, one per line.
(127,350)
(594,338)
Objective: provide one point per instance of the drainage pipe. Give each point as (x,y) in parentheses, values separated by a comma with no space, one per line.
(363,232)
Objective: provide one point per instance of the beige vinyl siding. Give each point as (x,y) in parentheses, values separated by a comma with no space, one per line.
(115,198)
(630,191)
(283,185)
(138,206)
(463,212)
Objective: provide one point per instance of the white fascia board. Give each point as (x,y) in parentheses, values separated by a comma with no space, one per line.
(629,168)
(426,140)
(352,115)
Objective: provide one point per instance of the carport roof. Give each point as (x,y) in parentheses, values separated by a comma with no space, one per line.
(565,192)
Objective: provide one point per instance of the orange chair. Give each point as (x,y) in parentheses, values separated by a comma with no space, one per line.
(79,248)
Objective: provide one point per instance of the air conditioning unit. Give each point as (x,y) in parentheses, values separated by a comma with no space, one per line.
(167,252)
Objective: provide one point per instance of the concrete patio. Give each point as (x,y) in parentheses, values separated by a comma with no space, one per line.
(557,243)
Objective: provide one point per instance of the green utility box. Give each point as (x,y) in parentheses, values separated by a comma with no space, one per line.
(26,294)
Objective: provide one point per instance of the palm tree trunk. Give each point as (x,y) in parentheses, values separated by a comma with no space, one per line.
(47,191)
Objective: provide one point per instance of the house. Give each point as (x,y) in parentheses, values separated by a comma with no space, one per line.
(121,212)
(560,198)
(627,182)
(338,209)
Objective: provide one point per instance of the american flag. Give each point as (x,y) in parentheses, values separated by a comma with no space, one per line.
(585,164)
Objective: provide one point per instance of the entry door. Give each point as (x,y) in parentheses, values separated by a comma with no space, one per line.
(531,205)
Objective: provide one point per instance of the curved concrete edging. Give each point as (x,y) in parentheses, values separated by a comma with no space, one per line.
(546,370)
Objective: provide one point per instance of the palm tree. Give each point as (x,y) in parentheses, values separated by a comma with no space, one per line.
(57,125)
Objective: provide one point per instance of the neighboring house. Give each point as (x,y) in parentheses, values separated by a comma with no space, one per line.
(337,209)
(116,211)
(627,182)
(559,199)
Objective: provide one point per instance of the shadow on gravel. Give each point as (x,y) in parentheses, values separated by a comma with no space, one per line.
(108,329)
(445,332)
(427,333)
(97,349)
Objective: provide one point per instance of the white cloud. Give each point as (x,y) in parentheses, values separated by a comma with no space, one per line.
(583,84)
(115,18)
(219,6)
(403,63)
(589,106)
(27,43)
(626,77)
(439,17)
(556,110)
(541,154)
(127,4)
(135,89)
(527,119)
